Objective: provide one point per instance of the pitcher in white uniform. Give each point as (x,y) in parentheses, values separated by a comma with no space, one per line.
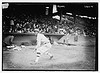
(43,45)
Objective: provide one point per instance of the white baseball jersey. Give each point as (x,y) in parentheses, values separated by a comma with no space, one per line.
(43,43)
(41,39)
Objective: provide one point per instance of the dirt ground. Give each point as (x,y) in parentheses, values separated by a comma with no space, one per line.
(66,57)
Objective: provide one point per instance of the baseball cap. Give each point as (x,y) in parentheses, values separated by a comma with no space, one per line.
(36,30)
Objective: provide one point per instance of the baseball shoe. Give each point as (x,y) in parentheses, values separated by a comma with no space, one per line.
(51,57)
(10,46)
(34,63)
(22,46)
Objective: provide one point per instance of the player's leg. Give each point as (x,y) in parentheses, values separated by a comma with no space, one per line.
(37,56)
(48,46)
(49,54)
(40,51)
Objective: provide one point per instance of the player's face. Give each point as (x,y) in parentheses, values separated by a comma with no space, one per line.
(36,32)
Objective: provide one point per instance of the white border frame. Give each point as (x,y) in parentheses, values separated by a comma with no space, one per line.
(51,2)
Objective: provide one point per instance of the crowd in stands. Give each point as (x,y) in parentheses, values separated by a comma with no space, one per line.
(27,24)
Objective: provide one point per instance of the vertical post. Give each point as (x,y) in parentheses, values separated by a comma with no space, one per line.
(60,16)
(61,12)
(74,15)
(47,10)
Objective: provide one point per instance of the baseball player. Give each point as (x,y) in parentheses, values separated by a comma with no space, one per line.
(8,41)
(43,45)
(76,36)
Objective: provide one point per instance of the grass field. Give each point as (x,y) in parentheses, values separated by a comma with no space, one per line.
(73,57)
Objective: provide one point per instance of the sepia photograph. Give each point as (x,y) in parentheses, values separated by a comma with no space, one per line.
(49,36)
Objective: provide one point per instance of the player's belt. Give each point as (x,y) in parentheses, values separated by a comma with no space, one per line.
(46,43)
